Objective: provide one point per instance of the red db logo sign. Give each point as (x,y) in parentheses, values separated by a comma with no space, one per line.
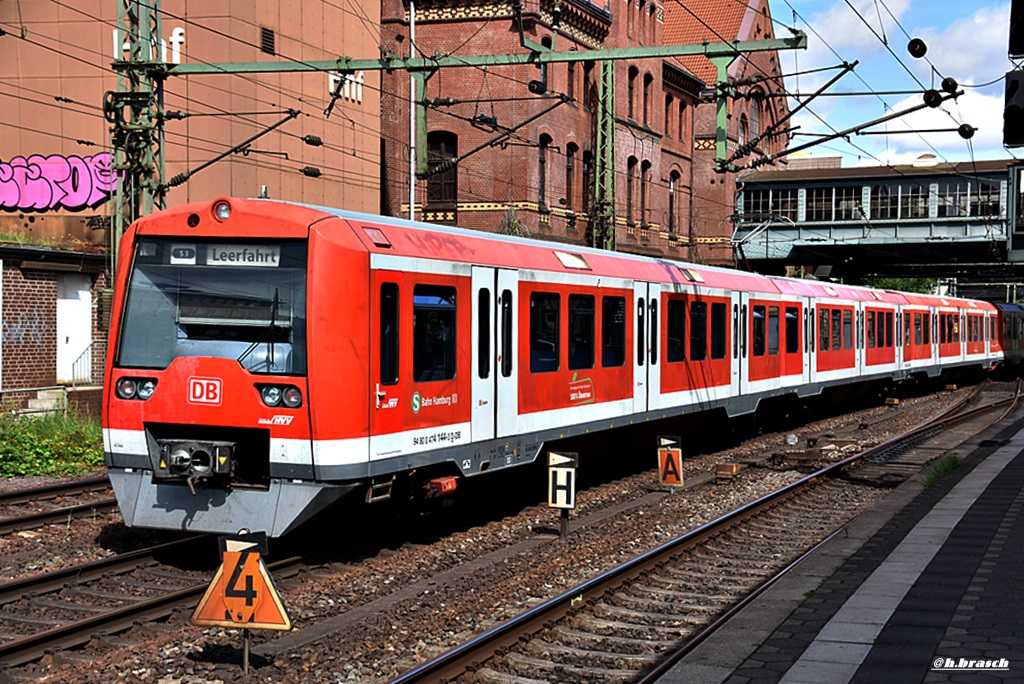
(204,390)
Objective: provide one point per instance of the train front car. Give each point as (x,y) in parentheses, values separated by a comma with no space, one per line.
(206,411)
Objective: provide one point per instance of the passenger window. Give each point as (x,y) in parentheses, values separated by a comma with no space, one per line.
(847,329)
(433,333)
(613,331)
(888,328)
(926,328)
(917,328)
(823,333)
(388,333)
(718,331)
(641,324)
(792,330)
(906,329)
(871,329)
(676,331)
(758,331)
(837,329)
(698,331)
(506,333)
(773,330)
(544,332)
(655,324)
(581,332)
(483,311)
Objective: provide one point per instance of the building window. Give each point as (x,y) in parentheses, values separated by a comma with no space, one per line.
(884,202)
(442,186)
(589,86)
(785,203)
(645,176)
(631,92)
(570,80)
(570,176)
(984,199)
(682,121)
(668,115)
(913,200)
(755,114)
(847,203)
(819,204)
(673,184)
(952,199)
(648,80)
(630,181)
(744,130)
(542,171)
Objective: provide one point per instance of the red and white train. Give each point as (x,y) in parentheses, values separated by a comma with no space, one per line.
(269,358)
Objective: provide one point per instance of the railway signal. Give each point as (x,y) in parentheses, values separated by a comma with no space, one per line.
(242,593)
(670,462)
(562,485)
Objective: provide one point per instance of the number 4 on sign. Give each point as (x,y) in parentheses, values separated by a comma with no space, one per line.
(242,594)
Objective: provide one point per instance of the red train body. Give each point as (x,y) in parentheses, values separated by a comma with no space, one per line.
(270,358)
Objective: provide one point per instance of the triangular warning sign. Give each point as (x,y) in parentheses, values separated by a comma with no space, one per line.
(242,594)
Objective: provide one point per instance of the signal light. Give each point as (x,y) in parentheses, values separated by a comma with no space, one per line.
(1013,110)
(1016,46)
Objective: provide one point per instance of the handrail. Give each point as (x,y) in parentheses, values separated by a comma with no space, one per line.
(83,366)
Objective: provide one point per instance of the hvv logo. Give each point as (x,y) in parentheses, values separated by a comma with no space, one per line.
(205,390)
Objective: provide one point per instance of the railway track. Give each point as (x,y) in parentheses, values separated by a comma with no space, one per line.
(29,508)
(632,622)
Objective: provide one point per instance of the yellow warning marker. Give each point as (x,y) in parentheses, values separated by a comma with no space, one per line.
(242,594)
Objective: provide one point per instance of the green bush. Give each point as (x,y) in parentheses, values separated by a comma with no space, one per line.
(52,444)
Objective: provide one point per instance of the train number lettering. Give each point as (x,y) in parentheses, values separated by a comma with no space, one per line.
(205,390)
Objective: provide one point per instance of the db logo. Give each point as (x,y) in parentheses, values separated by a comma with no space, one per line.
(204,390)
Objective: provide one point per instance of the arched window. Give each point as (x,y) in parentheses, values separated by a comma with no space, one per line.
(648,80)
(755,117)
(442,187)
(570,80)
(570,176)
(744,130)
(589,86)
(673,187)
(542,172)
(630,183)
(631,92)
(645,176)
(545,72)
(669,100)
(683,127)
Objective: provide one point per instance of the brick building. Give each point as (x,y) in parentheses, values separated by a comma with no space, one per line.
(539,181)
(756,77)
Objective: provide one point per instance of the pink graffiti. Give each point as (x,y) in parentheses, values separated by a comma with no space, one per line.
(56,182)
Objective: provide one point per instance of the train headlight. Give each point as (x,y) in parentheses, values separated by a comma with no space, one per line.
(271,395)
(145,389)
(126,388)
(292,397)
(222,210)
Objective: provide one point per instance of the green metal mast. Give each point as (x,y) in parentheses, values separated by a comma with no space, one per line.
(603,234)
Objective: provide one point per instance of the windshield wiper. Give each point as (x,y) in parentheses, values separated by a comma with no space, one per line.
(268,333)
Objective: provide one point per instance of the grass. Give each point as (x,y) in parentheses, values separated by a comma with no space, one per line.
(944,466)
(56,445)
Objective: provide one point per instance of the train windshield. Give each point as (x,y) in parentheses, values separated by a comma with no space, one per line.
(245,301)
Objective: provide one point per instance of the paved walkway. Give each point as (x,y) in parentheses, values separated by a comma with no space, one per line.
(927,586)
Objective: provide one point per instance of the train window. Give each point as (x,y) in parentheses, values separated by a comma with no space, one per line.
(847,329)
(888,328)
(925,328)
(483,312)
(655,324)
(718,331)
(698,331)
(388,333)
(544,332)
(837,329)
(823,333)
(676,331)
(773,330)
(906,329)
(871,330)
(943,318)
(613,331)
(917,328)
(641,349)
(792,330)
(433,333)
(506,333)
(758,330)
(581,332)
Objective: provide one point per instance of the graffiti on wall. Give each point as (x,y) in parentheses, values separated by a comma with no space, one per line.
(30,327)
(56,182)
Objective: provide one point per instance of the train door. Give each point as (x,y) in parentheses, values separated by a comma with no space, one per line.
(386,382)
(646,339)
(484,353)
(506,373)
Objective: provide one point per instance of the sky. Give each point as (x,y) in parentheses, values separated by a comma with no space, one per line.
(966,40)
